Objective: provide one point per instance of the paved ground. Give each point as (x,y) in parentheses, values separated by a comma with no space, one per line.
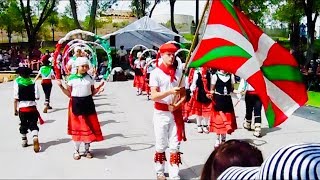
(127,152)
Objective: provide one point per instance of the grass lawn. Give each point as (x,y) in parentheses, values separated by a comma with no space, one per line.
(314,99)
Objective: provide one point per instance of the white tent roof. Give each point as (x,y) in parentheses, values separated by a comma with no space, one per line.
(144,31)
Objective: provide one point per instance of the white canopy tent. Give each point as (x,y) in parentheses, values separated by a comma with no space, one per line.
(144,31)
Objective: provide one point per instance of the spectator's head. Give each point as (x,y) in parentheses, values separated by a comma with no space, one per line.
(231,153)
(121,47)
(24,72)
(47,52)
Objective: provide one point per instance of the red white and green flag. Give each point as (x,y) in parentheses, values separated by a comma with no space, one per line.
(232,42)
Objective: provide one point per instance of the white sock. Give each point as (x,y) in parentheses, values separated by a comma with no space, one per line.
(34,133)
(77,146)
(198,118)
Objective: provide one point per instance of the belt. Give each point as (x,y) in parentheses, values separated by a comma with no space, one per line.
(161,106)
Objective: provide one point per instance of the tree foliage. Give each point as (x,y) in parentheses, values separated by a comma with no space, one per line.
(139,7)
(10,19)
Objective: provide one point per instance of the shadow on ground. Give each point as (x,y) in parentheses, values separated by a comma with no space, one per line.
(191,172)
(103,153)
(46,145)
(49,121)
(108,111)
(57,109)
(103,123)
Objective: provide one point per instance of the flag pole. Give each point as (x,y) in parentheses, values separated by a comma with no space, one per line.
(193,44)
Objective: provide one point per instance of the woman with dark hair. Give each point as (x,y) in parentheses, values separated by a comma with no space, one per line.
(231,153)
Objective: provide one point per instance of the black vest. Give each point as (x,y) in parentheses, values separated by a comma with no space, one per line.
(201,91)
(26,93)
(220,85)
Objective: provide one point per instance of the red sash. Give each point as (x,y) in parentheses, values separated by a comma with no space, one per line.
(46,81)
(32,109)
(178,118)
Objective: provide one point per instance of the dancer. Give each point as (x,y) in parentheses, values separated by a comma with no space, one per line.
(253,104)
(223,120)
(138,81)
(47,75)
(71,64)
(25,94)
(201,103)
(167,117)
(150,66)
(83,124)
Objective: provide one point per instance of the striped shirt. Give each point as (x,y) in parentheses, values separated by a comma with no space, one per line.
(297,161)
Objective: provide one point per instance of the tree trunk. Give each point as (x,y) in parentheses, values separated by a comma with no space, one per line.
(237,4)
(295,42)
(52,34)
(153,7)
(173,26)
(143,7)
(9,37)
(32,40)
(74,13)
(93,13)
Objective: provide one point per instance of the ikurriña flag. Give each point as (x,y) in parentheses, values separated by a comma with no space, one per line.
(232,42)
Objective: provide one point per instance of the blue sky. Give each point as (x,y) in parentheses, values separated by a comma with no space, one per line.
(181,7)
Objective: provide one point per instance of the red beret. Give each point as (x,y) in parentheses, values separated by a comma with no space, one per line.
(168,47)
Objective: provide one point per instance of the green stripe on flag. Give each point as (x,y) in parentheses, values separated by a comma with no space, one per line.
(228,5)
(220,52)
(270,115)
(282,73)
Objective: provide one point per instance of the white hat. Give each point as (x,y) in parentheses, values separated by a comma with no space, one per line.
(82,61)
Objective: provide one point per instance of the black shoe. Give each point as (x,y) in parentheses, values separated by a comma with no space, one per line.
(49,107)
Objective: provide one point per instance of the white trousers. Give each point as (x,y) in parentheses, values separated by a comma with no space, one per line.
(165,130)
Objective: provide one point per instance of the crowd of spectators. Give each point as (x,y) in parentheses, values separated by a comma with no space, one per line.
(13,57)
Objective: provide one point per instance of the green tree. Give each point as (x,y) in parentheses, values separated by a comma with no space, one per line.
(66,24)
(95,7)
(52,22)
(10,19)
(139,7)
(290,12)
(32,27)
(311,10)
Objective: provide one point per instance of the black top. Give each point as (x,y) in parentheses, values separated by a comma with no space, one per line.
(220,85)
(26,93)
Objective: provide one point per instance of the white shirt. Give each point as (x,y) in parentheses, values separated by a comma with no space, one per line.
(214,78)
(161,80)
(25,103)
(139,63)
(244,85)
(81,87)
(46,77)
(121,52)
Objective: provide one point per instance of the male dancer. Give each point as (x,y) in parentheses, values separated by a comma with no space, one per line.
(167,117)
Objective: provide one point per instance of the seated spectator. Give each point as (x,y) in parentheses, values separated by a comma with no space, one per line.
(297,161)
(231,153)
